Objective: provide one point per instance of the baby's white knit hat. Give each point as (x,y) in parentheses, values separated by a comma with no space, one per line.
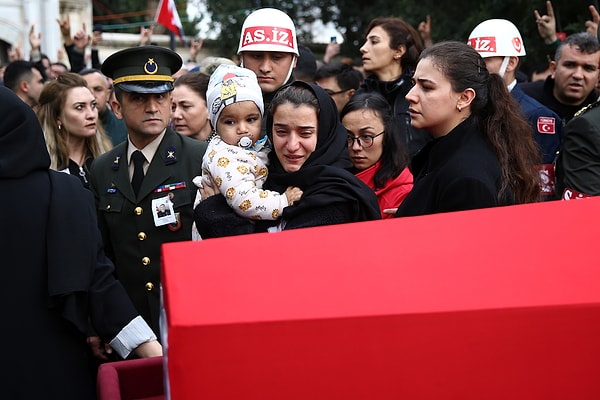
(231,84)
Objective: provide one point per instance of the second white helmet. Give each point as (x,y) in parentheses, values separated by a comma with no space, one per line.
(497,37)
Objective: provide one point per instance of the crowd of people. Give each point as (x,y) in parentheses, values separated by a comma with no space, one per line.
(166,151)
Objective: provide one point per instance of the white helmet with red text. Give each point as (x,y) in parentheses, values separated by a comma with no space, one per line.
(497,37)
(268,29)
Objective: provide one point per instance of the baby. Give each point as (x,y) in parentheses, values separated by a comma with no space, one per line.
(237,157)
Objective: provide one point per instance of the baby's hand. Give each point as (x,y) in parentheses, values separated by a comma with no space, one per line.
(293,194)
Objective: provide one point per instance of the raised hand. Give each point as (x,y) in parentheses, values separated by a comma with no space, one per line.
(15,53)
(65,30)
(332,50)
(546,24)
(591,26)
(146,35)
(35,41)
(424,29)
(82,39)
(195,47)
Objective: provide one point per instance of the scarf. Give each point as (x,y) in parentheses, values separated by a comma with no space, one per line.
(324,177)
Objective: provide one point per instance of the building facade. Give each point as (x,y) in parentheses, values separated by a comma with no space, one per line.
(17,17)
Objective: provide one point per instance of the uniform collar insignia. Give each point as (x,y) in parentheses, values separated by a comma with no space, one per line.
(170,155)
(117,160)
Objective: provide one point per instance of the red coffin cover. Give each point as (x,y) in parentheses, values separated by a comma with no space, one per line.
(499,303)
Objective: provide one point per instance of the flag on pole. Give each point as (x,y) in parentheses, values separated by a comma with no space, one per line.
(167,16)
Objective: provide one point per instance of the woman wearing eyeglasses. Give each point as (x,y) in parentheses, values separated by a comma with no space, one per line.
(309,152)
(389,56)
(376,150)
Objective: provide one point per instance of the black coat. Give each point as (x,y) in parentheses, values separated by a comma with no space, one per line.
(214,218)
(542,92)
(127,224)
(55,272)
(459,171)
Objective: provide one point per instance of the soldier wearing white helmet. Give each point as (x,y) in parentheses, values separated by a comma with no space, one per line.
(499,43)
(268,46)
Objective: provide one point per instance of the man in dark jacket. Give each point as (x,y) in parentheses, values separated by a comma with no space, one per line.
(101,89)
(578,165)
(26,79)
(153,166)
(571,86)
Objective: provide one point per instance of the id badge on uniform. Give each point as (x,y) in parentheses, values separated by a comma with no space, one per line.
(163,211)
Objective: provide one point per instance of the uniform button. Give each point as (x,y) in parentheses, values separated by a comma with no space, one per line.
(138,210)
(142,236)
(149,286)
(108,206)
(146,260)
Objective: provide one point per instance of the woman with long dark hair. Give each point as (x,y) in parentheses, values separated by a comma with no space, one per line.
(482,154)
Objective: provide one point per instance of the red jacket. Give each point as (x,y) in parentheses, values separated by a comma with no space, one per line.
(394,191)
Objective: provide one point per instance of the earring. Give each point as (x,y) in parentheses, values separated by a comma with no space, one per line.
(59,127)
(396,57)
(459,108)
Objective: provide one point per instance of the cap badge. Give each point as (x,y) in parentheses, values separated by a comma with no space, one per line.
(151,67)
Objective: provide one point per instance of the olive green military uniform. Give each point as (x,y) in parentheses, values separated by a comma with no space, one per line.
(127,224)
(132,233)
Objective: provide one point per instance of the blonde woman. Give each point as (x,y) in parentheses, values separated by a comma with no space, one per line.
(69,119)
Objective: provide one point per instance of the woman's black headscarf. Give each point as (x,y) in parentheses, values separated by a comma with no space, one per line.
(22,145)
(324,177)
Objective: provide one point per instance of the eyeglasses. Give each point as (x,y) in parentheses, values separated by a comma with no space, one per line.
(364,141)
(332,93)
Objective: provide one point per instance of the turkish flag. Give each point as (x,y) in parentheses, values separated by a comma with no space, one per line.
(167,16)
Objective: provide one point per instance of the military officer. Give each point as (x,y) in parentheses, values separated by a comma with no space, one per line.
(578,165)
(154,166)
